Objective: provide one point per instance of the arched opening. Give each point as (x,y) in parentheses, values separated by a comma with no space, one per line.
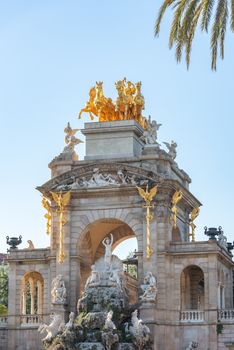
(192,288)
(91,248)
(31,298)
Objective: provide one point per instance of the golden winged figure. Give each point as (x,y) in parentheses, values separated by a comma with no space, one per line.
(61,199)
(177,196)
(148,195)
(46,204)
(194,213)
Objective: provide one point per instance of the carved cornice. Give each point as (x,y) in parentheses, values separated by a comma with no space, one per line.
(134,175)
(86,172)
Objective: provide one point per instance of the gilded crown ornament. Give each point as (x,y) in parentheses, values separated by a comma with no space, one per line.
(129,103)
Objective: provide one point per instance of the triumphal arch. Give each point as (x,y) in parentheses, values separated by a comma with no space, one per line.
(127,185)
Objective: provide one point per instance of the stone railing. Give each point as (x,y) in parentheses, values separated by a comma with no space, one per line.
(226,315)
(3,321)
(30,320)
(192,316)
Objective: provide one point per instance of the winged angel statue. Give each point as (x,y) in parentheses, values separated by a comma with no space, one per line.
(61,199)
(148,197)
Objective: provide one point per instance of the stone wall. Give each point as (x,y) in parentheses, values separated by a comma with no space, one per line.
(226,337)
(3,339)
(24,339)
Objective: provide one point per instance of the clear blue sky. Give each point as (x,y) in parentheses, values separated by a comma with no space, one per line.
(53,51)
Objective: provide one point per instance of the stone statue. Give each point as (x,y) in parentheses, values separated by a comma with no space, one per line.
(109,324)
(171,149)
(58,290)
(52,329)
(150,133)
(94,278)
(109,338)
(192,345)
(70,323)
(149,288)
(140,333)
(107,242)
(98,179)
(222,240)
(70,139)
(30,244)
(115,277)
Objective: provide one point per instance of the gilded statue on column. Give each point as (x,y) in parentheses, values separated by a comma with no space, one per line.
(177,196)
(46,204)
(62,200)
(129,103)
(148,197)
(193,215)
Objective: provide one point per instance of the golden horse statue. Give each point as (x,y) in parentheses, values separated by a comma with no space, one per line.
(90,105)
(128,105)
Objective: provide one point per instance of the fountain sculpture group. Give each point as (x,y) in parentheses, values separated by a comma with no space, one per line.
(105,318)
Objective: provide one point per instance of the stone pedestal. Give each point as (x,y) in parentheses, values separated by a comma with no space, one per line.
(60,309)
(151,149)
(117,139)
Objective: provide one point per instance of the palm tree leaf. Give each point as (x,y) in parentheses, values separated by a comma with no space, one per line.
(223,27)
(232,15)
(206,13)
(188,19)
(162,10)
(216,29)
(192,33)
(176,24)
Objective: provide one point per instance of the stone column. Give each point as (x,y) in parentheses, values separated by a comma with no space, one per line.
(32,296)
(39,298)
(23,307)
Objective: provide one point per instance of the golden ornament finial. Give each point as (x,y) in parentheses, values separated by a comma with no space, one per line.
(61,199)
(177,196)
(128,105)
(148,197)
(193,215)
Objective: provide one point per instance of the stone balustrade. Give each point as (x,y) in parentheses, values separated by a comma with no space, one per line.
(28,320)
(3,321)
(226,315)
(192,316)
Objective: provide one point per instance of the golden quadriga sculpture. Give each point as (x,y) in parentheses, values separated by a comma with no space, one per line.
(128,105)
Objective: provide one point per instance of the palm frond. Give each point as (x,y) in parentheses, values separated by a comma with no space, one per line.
(206,13)
(191,33)
(232,15)
(188,19)
(216,29)
(176,24)
(162,10)
(223,27)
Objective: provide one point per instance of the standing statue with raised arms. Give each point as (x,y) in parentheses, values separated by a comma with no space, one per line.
(107,242)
